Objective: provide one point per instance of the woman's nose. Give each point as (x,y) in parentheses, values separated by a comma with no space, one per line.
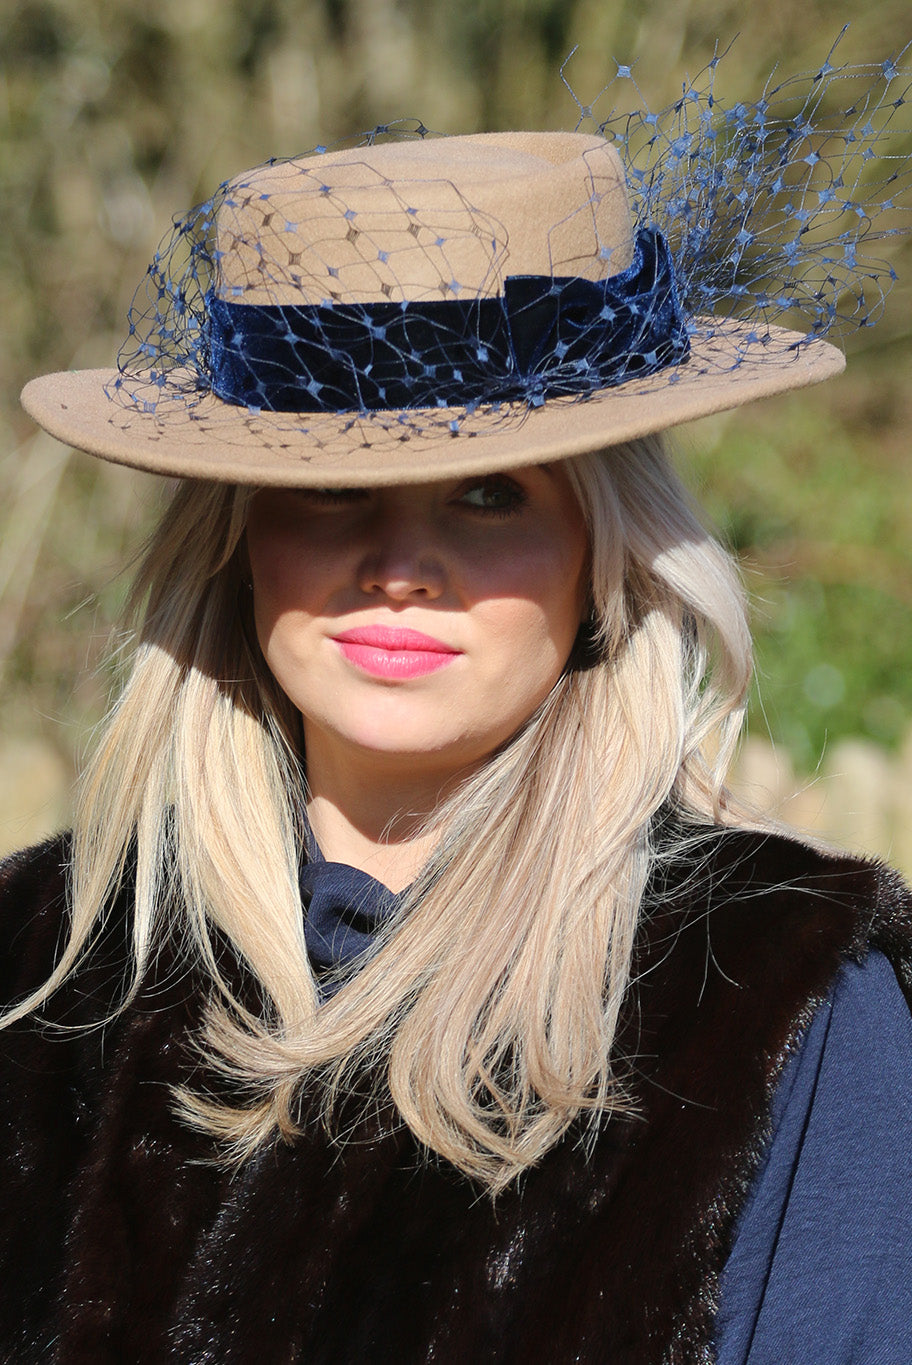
(402,559)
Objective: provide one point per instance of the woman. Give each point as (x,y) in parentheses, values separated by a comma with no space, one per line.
(444,658)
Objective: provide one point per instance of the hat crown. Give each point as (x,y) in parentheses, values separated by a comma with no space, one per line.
(429,219)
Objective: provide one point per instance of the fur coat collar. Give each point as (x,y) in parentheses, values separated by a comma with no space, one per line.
(122,1243)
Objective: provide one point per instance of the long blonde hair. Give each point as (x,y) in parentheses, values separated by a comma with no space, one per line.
(489,1008)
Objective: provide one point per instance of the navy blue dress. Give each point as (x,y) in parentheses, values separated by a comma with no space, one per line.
(821,1269)
(820,1272)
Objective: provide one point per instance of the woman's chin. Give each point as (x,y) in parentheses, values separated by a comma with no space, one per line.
(417,751)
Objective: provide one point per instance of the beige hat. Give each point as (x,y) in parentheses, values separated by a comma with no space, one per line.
(412,310)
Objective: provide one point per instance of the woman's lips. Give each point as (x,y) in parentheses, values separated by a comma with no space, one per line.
(394,652)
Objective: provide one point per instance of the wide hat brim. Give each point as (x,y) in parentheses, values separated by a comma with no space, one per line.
(202,437)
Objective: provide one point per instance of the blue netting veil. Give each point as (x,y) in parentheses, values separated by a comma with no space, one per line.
(773,205)
(403,300)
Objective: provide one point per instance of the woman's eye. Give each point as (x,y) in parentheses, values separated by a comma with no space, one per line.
(498,495)
(332,497)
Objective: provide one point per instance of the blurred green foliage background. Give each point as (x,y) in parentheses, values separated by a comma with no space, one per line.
(116,114)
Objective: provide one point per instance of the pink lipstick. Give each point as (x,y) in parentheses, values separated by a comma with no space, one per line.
(393,652)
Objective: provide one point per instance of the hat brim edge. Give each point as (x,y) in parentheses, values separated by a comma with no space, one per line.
(213,440)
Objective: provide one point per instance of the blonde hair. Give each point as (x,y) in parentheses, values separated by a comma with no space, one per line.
(489,1008)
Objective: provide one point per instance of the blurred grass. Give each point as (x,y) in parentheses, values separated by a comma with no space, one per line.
(116,114)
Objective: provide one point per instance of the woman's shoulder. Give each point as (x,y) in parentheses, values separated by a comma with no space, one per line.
(772,885)
(774,858)
(29,870)
(745,934)
(33,913)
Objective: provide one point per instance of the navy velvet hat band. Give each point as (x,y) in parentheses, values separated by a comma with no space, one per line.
(543,338)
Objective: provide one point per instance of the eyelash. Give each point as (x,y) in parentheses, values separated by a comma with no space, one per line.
(330,496)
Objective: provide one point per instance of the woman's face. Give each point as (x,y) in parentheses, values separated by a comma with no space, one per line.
(425,620)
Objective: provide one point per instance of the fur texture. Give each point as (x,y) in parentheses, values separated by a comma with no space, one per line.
(121,1241)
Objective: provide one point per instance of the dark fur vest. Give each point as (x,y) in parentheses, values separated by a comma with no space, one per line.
(122,1243)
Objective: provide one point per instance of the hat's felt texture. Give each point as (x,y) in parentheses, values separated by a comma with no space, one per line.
(404,223)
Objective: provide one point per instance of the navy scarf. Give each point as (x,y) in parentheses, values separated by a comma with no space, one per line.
(343,910)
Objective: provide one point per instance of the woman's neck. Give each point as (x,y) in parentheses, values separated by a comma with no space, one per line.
(373,812)
(393,861)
